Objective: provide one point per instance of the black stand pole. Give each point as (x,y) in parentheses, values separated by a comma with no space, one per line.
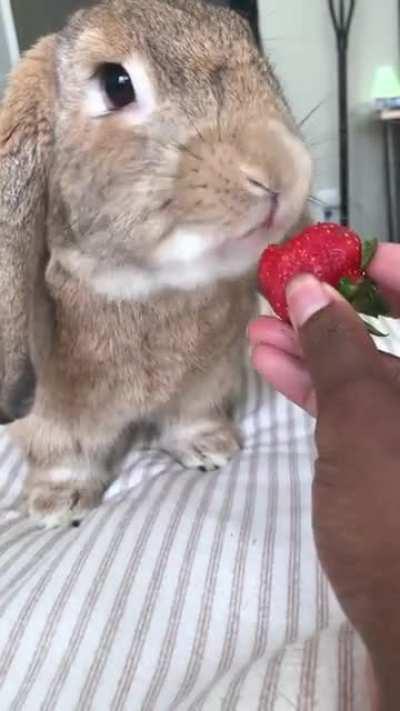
(342,16)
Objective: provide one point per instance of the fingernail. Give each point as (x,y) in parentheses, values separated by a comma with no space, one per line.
(333,293)
(305,297)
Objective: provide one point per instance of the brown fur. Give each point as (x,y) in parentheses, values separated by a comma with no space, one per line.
(84,195)
(26,138)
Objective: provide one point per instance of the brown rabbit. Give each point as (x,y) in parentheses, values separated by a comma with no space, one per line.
(147,157)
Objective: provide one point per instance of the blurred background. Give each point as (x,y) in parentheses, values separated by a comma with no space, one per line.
(298,36)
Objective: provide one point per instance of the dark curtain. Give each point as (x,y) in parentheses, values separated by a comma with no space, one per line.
(34,18)
(49,15)
(249,9)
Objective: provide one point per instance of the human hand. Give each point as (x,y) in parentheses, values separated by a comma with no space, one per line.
(329,365)
(277,352)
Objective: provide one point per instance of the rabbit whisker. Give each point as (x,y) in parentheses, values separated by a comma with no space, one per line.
(195,127)
(316,201)
(180,147)
(186,149)
(322,142)
(311,113)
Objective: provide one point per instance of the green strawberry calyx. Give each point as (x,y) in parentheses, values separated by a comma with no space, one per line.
(368,251)
(363,293)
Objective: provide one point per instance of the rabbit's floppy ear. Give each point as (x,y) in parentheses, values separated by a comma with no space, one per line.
(26,146)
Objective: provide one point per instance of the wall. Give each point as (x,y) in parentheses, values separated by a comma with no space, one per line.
(297,34)
(4,57)
(20,28)
(8,42)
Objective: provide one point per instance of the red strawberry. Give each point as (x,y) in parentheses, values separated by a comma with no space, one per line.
(334,254)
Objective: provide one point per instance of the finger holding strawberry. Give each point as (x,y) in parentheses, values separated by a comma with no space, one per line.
(332,253)
(277,353)
(384,269)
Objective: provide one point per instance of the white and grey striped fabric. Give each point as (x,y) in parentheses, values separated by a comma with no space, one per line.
(184,591)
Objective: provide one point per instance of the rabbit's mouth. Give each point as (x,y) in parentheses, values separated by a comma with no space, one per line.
(267,225)
(273,211)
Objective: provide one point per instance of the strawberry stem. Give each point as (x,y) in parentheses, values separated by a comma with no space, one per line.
(364,297)
(348,288)
(368,252)
(368,301)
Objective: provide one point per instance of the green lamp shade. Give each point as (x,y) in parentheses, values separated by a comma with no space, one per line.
(386,83)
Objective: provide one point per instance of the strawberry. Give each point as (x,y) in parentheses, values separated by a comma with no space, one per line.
(334,254)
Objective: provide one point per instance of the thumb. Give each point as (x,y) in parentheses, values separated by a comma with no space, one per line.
(335,343)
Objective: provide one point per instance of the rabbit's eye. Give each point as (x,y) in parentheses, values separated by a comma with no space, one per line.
(117,85)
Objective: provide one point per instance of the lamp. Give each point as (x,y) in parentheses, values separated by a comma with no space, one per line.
(386,83)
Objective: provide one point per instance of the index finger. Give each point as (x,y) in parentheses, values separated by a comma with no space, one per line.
(337,348)
(385,271)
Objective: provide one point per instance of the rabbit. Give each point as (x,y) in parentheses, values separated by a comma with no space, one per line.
(147,157)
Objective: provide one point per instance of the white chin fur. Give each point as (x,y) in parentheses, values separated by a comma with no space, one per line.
(186,266)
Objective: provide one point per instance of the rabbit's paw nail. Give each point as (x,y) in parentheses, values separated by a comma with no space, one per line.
(60,506)
(203,460)
(208,448)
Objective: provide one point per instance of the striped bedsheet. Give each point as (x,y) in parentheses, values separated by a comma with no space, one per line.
(183,591)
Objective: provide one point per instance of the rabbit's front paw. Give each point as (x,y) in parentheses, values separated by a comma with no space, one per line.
(206,445)
(55,505)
